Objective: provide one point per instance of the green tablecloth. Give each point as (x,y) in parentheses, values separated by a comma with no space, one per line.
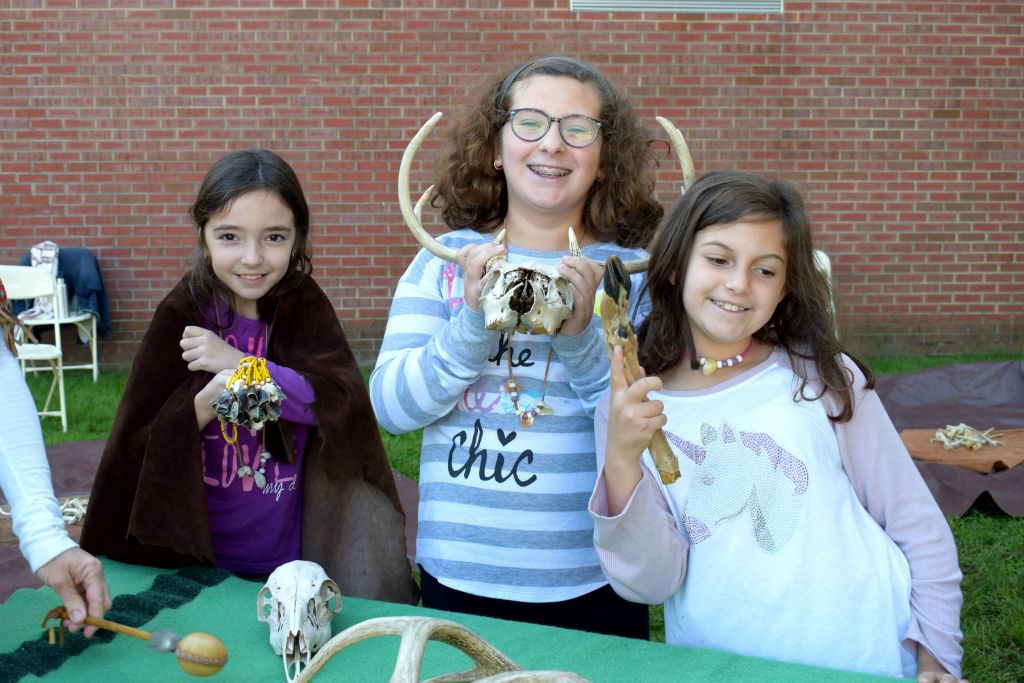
(225,606)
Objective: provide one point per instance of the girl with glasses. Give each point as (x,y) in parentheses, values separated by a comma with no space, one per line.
(503,526)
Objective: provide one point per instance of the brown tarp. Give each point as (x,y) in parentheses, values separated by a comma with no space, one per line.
(981,395)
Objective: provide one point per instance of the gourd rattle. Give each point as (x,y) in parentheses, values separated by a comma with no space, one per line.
(199,654)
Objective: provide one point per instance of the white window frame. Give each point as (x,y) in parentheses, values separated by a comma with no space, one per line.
(681,6)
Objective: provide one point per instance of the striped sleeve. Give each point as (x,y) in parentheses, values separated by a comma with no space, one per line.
(433,349)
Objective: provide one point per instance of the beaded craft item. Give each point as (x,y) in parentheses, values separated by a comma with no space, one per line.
(250,399)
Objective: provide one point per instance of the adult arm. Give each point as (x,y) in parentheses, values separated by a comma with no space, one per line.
(25,473)
(75,575)
(891,489)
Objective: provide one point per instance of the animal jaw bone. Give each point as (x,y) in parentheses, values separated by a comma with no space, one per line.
(295,602)
(490,664)
(619,332)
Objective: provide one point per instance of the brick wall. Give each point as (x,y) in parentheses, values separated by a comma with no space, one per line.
(901,122)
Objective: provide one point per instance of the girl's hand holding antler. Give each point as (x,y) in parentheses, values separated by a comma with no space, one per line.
(473,259)
(584,276)
(632,421)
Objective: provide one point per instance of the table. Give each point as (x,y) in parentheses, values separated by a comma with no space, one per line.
(204,599)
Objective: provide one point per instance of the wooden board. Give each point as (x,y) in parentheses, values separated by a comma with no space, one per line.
(985,460)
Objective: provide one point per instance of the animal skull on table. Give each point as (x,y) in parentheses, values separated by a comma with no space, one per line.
(528,297)
(295,602)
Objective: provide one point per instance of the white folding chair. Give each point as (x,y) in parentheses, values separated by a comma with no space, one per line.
(26,282)
(85,323)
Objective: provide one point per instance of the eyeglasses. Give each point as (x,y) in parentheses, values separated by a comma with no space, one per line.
(577,130)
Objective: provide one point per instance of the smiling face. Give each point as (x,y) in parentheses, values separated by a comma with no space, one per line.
(735,278)
(250,243)
(547,178)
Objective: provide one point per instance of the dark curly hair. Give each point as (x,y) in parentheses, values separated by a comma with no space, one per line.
(620,207)
(233,175)
(802,323)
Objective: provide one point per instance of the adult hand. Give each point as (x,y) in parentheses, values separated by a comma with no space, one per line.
(473,259)
(204,350)
(77,577)
(584,276)
(632,421)
(203,402)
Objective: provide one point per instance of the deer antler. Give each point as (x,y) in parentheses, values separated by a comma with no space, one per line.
(682,151)
(491,665)
(410,214)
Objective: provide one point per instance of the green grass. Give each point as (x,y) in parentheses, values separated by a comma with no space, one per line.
(892,364)
(991,547)
(90,406)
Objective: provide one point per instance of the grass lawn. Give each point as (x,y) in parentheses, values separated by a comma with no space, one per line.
(991,546)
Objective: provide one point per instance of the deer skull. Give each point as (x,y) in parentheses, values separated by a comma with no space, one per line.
(527,297)
(295,602)
(531,298)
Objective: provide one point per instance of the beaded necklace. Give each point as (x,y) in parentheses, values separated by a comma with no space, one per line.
(512,386)
(711,365)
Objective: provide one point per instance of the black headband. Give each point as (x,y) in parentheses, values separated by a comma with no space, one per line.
(511,78)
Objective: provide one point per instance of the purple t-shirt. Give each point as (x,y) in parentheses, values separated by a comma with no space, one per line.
(255,531)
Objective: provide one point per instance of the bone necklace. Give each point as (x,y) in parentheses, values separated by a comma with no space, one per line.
(512,386)
(711,365)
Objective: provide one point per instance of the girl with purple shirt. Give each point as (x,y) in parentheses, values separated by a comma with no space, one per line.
(176,485)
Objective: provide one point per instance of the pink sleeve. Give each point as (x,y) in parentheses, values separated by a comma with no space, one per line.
(642,553)
(299,395)
(891,489)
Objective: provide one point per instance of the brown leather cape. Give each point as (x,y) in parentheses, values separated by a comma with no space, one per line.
(148,505)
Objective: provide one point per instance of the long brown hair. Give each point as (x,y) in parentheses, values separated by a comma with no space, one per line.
(802,323)
(620,207)
(233,175)
(8,321)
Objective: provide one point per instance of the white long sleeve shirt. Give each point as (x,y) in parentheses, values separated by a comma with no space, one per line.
(24,471)
(787,536)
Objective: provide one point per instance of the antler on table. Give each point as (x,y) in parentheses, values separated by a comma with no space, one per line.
(619,332)
(491,664)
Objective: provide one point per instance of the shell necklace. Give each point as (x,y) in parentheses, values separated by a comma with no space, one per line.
(710,366)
